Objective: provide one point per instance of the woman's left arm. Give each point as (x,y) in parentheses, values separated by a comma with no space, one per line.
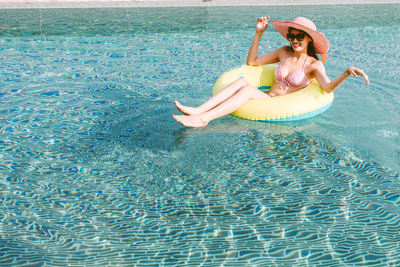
(328,85)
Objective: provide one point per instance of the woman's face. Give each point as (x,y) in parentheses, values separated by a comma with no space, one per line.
(299,40)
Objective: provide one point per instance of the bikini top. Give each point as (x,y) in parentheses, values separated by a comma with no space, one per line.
(297,80)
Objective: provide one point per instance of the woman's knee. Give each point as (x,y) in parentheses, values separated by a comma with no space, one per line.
(248,88)
(241,82)
(252,92)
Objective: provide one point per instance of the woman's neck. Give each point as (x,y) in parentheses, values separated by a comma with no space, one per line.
(300,54)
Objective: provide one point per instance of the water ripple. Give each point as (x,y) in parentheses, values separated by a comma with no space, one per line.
(94,171)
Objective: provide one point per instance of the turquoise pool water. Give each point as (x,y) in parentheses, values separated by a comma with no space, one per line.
(94,171)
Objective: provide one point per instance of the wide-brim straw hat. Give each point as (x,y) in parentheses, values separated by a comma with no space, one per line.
(321,44)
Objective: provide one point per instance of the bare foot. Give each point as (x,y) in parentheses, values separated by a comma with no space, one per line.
(190,120)
(186,110)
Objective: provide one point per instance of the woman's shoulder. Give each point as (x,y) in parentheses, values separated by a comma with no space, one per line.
(284,51)
(315,63)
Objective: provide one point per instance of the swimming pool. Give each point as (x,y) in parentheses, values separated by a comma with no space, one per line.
(94,170)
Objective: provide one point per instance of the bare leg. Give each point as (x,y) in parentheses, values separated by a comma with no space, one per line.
(215,100)
(226,107)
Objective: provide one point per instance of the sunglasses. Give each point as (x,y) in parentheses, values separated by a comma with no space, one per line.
(299,37)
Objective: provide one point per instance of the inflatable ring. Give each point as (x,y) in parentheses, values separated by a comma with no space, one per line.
(305,103)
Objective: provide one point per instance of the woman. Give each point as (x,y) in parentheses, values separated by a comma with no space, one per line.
(298,65)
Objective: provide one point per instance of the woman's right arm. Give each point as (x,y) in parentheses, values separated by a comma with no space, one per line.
(252,58)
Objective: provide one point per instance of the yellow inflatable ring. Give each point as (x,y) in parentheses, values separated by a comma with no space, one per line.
(305,103)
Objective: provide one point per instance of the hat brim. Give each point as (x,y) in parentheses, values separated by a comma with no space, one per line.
(321,44)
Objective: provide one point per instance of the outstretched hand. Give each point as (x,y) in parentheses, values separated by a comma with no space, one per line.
(355,72)
(262,24)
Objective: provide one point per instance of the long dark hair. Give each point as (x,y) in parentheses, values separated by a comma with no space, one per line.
(310,47)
